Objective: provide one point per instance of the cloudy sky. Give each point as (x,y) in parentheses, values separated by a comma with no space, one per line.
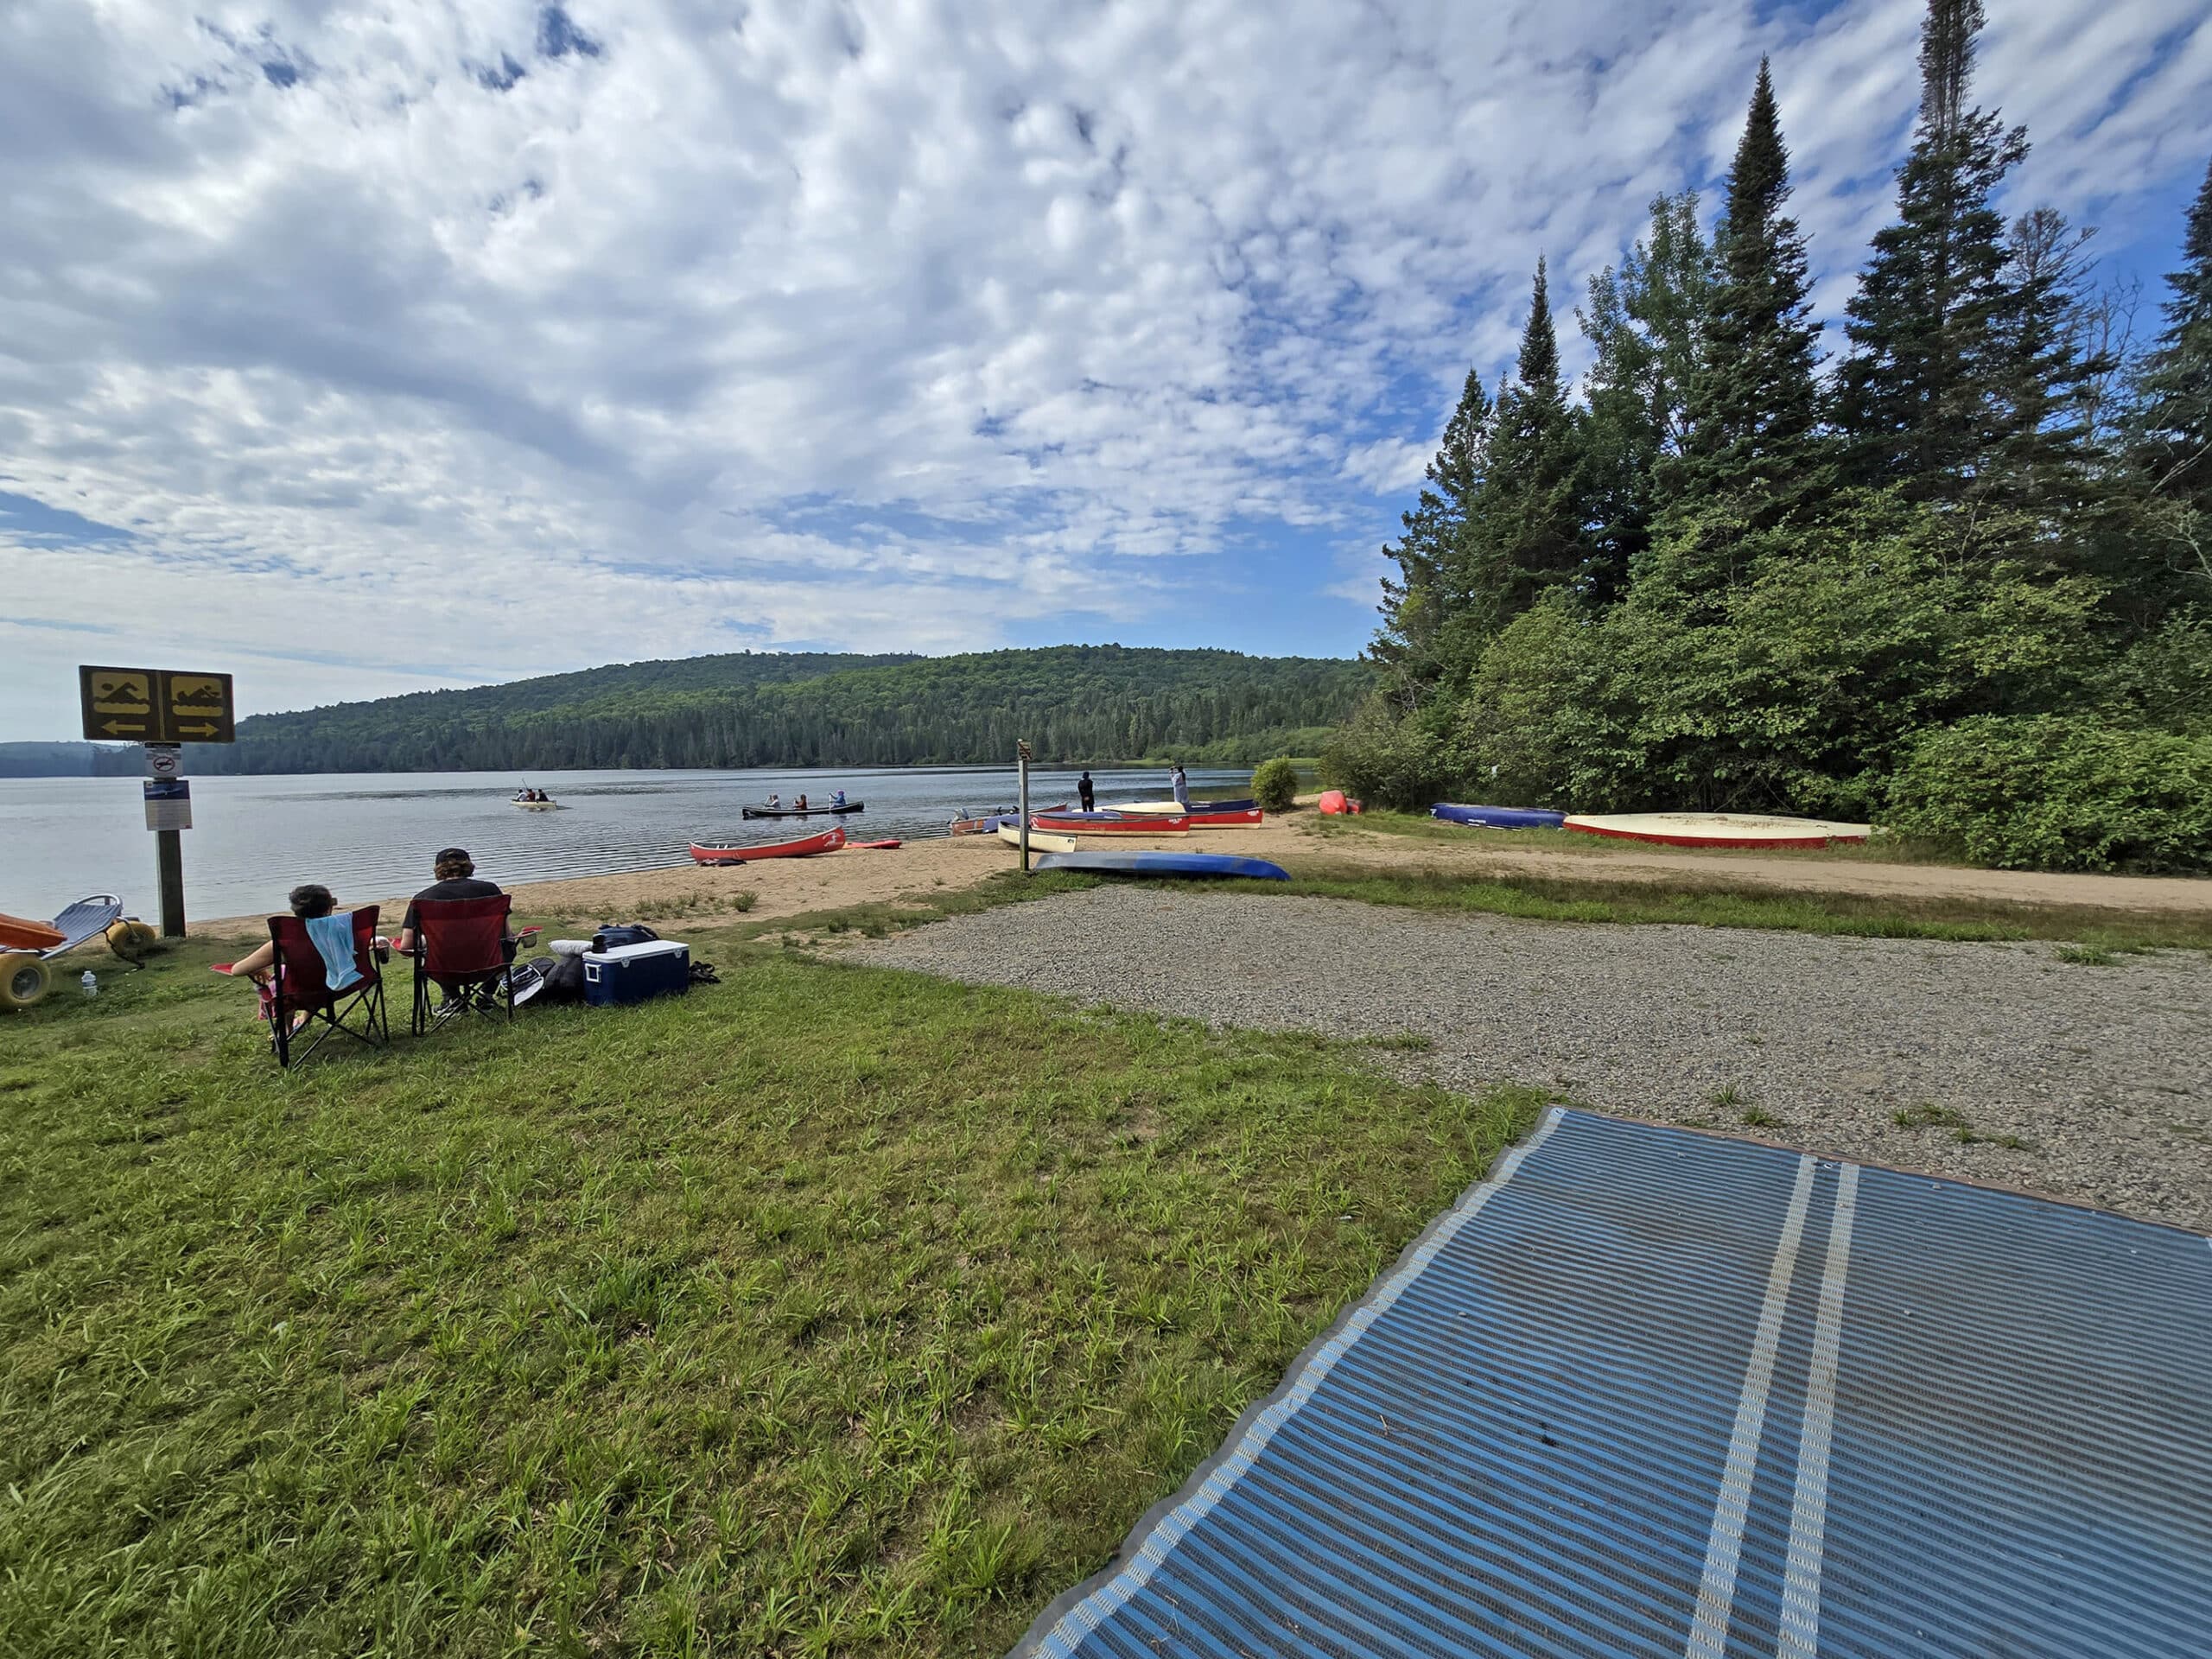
(360,344)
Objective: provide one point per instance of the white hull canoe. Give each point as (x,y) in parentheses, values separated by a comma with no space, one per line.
(1744,829)
(1040,840)
(1172,808)
(1137,823)
(536,806)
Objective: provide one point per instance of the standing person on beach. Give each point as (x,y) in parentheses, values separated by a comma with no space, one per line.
(1182,789)
(1085,793)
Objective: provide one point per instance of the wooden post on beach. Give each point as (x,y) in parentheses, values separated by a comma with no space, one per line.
(1021,764)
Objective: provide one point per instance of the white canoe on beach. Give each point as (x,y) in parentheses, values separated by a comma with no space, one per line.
(1040,840)
(1719,828)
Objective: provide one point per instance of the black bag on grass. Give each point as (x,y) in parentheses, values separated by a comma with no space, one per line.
(564,981)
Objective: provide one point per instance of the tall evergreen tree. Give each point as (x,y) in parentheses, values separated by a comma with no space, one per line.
(1646,322)
(1918,396)
(2038,464)
(1525,533)
(1753,406)
(1417,606)
(2174,419)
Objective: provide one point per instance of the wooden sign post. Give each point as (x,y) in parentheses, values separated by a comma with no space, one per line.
(1022,757)
(161,708)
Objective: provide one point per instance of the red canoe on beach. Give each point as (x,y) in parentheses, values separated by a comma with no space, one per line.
(827,842)
(1109,823)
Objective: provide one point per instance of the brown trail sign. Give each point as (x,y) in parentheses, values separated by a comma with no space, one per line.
(156,705)
(159,707)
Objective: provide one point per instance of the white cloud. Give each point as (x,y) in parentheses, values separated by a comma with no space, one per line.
(883,325)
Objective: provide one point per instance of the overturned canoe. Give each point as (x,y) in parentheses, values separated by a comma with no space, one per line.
(889,843)
(827,842)
(1216,864)
(1498,817)
(1112,824)
(1752,829)
(1040,840)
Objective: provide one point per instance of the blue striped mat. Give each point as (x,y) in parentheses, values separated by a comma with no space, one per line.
(1651,1392)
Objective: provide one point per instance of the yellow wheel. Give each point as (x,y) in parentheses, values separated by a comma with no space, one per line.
(24,978)
(132,939)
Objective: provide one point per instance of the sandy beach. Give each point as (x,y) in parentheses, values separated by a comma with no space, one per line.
(914,873)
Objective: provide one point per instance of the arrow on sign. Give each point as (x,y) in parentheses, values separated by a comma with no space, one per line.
(123,727)
(197,731)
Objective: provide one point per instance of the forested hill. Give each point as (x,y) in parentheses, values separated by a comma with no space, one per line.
(1072,702)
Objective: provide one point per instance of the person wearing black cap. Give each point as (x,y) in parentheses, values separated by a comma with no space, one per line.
(457,879)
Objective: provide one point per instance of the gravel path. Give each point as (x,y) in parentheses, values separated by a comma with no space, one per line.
(2103,1074)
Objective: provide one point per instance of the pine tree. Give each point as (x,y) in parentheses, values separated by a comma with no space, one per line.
(1918,395)
(2174,420)
(1646,320)
(2038,464)
(1416,606)
(1525,531)
(1753,406)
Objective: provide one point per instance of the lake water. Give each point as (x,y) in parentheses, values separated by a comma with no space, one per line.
(367,836)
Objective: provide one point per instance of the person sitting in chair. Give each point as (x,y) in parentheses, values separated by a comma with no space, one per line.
(457,879)
(307,900)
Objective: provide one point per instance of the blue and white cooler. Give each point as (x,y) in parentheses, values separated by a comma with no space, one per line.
(636,973)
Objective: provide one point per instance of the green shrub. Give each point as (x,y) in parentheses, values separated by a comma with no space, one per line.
(1390,759)
(1275,784)
(2059,793)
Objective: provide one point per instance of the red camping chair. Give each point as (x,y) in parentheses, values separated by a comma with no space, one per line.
(299,984)
(461,947)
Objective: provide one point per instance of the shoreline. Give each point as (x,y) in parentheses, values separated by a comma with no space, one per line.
(921,870)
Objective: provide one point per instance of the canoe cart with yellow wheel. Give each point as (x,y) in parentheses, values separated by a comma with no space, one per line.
(27,948)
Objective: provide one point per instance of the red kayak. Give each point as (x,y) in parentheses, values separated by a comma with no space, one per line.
(875,846)
(1110,824)
(1202,819)
(827,842)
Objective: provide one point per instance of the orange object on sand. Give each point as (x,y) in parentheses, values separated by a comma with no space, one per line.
(1334,803)
(21,933)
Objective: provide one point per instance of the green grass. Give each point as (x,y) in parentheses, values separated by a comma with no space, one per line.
(1699,904)
(829,1310)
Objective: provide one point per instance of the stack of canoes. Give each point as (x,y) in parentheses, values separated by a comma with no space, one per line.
(1202,814)
(1114,823)
(985,823)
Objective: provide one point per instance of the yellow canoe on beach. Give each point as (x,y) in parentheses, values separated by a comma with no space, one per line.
(1040,840)
(1172,808)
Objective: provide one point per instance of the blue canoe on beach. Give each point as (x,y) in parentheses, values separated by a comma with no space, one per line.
(1498,817)
(1214,864)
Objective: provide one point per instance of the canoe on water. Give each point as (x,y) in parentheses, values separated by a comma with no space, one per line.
(827,842)
(1498,817)
(801,812)
(1217,865)
(1040,840)
(1111,824)
(536,806)
(1750,830)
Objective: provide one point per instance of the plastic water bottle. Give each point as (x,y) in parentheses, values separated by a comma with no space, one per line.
(91,982)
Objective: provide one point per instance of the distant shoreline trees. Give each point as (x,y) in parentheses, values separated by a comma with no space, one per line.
(1722,581)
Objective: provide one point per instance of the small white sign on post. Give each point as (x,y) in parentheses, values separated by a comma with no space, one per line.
(162,759)
(168,804)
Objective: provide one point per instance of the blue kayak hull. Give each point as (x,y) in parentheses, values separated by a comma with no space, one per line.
(1181,864)
(1498,817)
